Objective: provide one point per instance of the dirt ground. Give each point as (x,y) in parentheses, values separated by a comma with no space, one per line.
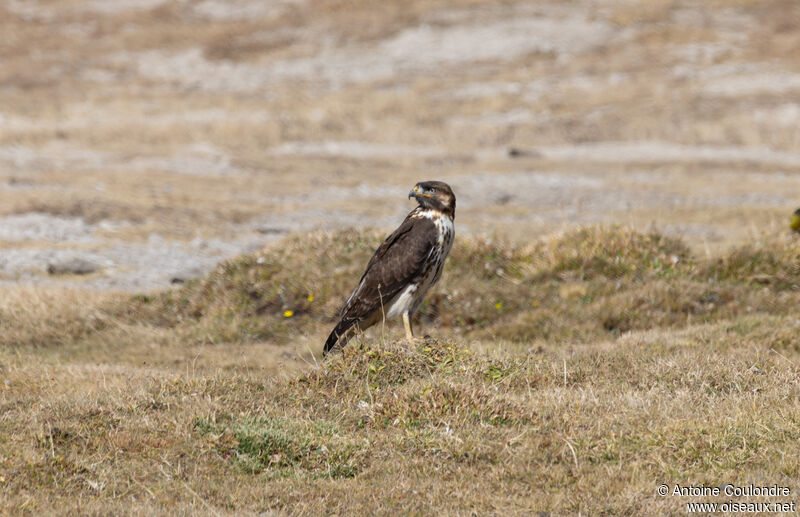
(153,139)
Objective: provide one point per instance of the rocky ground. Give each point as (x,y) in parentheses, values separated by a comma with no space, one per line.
(143,142)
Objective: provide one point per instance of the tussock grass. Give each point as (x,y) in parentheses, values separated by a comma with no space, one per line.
(638,364)
(587,284)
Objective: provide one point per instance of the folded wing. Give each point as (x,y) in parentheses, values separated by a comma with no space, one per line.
(398,261)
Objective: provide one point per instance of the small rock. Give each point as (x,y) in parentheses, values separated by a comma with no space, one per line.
(184,276)
(270,230)
(72,266)
(516,152)
(503,199)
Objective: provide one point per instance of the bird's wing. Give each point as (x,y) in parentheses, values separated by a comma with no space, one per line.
(398,260)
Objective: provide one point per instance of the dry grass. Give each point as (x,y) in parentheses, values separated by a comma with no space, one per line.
(574,367)
(614,362)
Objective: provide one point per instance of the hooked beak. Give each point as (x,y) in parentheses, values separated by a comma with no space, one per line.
(416,193)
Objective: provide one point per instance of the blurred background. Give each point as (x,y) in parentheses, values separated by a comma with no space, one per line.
(143,141)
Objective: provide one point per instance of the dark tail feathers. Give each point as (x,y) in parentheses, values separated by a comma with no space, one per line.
(338,333)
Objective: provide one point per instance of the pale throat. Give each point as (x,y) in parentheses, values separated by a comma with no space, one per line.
(430,213)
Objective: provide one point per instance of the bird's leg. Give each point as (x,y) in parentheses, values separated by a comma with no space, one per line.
(407,325)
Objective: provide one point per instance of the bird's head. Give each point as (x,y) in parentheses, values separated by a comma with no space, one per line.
(435,195)
(795,224)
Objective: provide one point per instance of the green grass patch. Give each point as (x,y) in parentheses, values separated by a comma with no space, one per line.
(280,447)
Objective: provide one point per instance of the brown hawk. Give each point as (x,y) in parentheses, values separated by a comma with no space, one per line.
(404,267)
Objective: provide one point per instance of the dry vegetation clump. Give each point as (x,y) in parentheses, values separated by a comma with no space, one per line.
(588,284)
(247,298)
(777,265)
(611,253)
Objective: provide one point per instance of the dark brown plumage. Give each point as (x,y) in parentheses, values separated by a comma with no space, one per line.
(404,267)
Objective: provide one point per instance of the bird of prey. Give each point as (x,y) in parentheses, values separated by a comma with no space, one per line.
(795,224)
(404,267)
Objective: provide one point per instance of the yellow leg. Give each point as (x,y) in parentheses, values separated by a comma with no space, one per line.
(407,325)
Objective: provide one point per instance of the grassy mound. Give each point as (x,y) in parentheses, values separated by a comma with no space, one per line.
(584,285)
